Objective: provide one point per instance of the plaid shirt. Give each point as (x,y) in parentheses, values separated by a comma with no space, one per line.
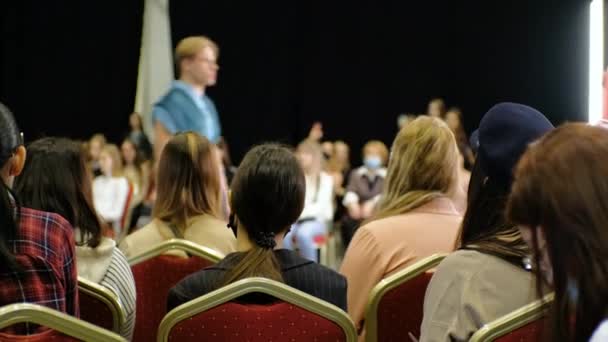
(44,248)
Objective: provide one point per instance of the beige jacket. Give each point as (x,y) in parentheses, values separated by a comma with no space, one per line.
(470,289)
(204,230)
(383,247)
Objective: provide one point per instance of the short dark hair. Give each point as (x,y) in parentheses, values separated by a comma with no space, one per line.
(55,179)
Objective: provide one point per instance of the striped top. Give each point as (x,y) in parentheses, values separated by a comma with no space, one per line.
(120,280)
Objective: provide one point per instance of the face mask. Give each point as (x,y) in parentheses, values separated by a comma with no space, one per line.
(372,162)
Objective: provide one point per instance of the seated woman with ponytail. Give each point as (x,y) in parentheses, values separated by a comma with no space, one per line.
(267,198)
(36,247)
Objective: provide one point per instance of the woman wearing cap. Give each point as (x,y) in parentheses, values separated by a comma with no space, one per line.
(267,197)
(555,216)
(415,218)
(486,277)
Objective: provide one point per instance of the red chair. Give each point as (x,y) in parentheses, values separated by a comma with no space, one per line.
(62,327)
(100,306)
(522,325)
(155,274)
(395,307)
(295,316)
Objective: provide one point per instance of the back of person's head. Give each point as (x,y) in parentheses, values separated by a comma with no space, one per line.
(422,167)
(560,197)
(504,133)
(187,180)
(12,158)
(189,47)
(375,154)
(267,197)
(55,179)
(110,161)
(310,156)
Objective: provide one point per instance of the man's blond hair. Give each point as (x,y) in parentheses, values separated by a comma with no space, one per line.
(190,46)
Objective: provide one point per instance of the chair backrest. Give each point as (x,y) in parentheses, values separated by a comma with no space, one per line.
(63,327)
(296,315)
(522,325)
(395,306)
(100,306)
(155,274)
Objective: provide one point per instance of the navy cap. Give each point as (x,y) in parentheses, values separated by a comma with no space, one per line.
(504,133)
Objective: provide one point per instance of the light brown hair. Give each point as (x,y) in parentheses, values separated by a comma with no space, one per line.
(190,46)
(561,187)
(422,167)
(187,180)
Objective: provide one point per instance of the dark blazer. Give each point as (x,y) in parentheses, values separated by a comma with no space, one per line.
(300,273)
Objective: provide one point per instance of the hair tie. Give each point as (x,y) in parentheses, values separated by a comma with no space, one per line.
(265,240)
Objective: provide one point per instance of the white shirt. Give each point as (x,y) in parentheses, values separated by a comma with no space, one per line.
(601,333)
(319,200)
(110,197)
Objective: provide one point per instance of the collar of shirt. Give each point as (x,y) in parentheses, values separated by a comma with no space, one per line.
(371,174)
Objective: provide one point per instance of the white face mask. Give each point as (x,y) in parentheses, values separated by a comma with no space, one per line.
(372,162)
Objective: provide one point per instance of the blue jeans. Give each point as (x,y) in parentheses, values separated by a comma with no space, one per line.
(304,233)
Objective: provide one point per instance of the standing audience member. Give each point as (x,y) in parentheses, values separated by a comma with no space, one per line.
(186,106)
(436,108)
(559,200)
(55,179)
(318,205)
(486,277)
(415,217)
(188,203)
(138,172)
(36,247)
(139,137)
(260,222)
(95,146)
(111,189)
(364,187)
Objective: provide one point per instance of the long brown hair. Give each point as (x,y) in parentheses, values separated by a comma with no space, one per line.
(267,198)
(422,167)
(561,187)
(188,180)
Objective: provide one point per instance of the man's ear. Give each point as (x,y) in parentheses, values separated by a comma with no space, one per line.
(18,161)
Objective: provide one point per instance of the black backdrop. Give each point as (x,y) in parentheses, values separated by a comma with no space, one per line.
(70,67)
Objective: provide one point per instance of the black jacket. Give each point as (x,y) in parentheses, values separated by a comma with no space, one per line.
(300,273)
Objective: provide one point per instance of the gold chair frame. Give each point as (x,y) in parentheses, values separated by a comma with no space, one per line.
(257,285)
(177,244)
(106,296)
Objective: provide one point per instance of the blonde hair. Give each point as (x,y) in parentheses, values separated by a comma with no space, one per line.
(188,180)
(114,153)
(422,167)
(190,46)
(314,149)
(379,147)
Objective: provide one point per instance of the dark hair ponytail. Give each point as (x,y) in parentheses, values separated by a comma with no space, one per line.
(10,139)
(267,198)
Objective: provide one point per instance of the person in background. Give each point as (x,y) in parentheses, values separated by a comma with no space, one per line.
(36,247)
(436,108)
(225,160)
(318,205)
(111,189)
(453,118)
(338,167)
(55,179)
(364,187)
(559,201)
(95,146)
(414,219)
(139,137)
(486,277)
(137,170)
(260,222)
(188,203)
(186,106)
(328,150)
(404,119)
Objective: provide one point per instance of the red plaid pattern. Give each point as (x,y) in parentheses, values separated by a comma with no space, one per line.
(44,248)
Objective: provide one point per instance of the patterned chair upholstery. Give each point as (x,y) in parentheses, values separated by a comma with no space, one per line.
(522,325)
(395,307)
(62,327)
(295,316)
(155,274)
(100,306)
